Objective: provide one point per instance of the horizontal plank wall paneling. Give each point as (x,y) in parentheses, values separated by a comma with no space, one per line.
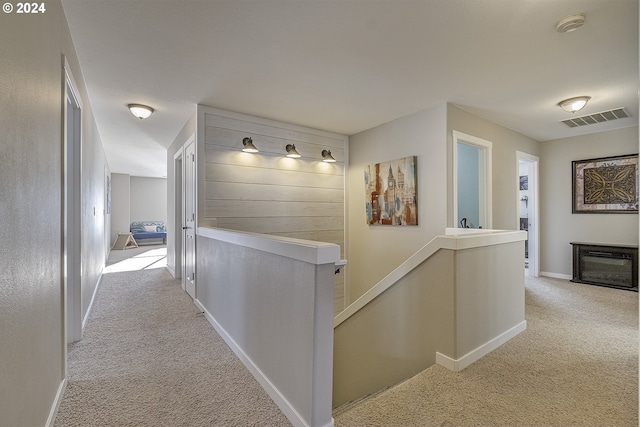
(267,192)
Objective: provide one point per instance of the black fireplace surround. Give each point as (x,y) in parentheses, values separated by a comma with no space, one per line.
(615,266)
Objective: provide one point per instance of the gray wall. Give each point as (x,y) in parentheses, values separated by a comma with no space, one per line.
(120,204)
(148,199)
(375,250)
(31,290)
(559,226)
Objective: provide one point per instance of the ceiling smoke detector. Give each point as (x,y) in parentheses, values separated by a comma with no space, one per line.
(570,23)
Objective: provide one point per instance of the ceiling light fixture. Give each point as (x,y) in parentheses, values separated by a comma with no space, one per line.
(327,157)
(140,111)
(291,151)
(570,23)
(572,105)
(248,146)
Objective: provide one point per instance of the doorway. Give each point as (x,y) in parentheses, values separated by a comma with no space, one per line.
(71,223)
(189,218)
(528,210)
(471,181)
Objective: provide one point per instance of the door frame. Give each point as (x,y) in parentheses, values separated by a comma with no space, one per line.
(72,214)
(186,182)
(486,196)
(178,208)
(534,208)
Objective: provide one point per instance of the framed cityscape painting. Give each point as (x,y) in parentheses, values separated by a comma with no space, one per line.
(606,185)
(391,196)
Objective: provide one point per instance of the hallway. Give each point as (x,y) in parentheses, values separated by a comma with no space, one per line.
(149,358)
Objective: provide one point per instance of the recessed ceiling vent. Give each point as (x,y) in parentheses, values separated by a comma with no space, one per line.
(591,119)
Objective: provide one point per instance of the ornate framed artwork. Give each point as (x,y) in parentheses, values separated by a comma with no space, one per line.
(391,192)
(606,185)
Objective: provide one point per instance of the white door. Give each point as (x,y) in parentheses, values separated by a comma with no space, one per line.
(189,226)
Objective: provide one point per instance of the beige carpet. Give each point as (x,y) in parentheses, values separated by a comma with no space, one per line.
(575,365)
(149,358)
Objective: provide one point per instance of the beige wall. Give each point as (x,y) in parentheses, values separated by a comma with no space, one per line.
(373,250)
(559,226)
(31,291)
(120,204)
(148,199)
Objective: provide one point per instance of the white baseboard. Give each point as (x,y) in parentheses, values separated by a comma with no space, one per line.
(478,353)
(93,297)
(283,403)
(556,275)
(171,271)
(56,404)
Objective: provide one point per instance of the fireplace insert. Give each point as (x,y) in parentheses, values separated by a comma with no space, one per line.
(615,266)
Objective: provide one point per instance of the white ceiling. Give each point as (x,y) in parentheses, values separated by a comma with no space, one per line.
(347,65)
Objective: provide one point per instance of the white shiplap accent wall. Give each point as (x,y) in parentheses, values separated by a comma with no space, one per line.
(267,192)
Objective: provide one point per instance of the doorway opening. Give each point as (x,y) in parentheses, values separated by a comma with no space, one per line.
(71,223)
(471,182)
(528,210)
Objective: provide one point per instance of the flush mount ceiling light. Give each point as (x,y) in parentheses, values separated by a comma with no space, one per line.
(248,146)
(327,157)
(572,105)
(140,111)
(291,151)
(570,23)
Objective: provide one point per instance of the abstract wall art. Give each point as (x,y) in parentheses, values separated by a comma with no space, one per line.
(391,196)
(606,185)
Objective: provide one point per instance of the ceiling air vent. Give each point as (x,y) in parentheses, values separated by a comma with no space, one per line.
(605,116)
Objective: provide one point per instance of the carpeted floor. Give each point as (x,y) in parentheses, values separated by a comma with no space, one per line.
(149,358)
(575,365)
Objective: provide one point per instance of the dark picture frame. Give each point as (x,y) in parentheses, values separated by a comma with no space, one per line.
(605,185)
(524,182)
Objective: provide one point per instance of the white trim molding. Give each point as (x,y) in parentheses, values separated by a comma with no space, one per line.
(475,355)
(51,420)
(302,250)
